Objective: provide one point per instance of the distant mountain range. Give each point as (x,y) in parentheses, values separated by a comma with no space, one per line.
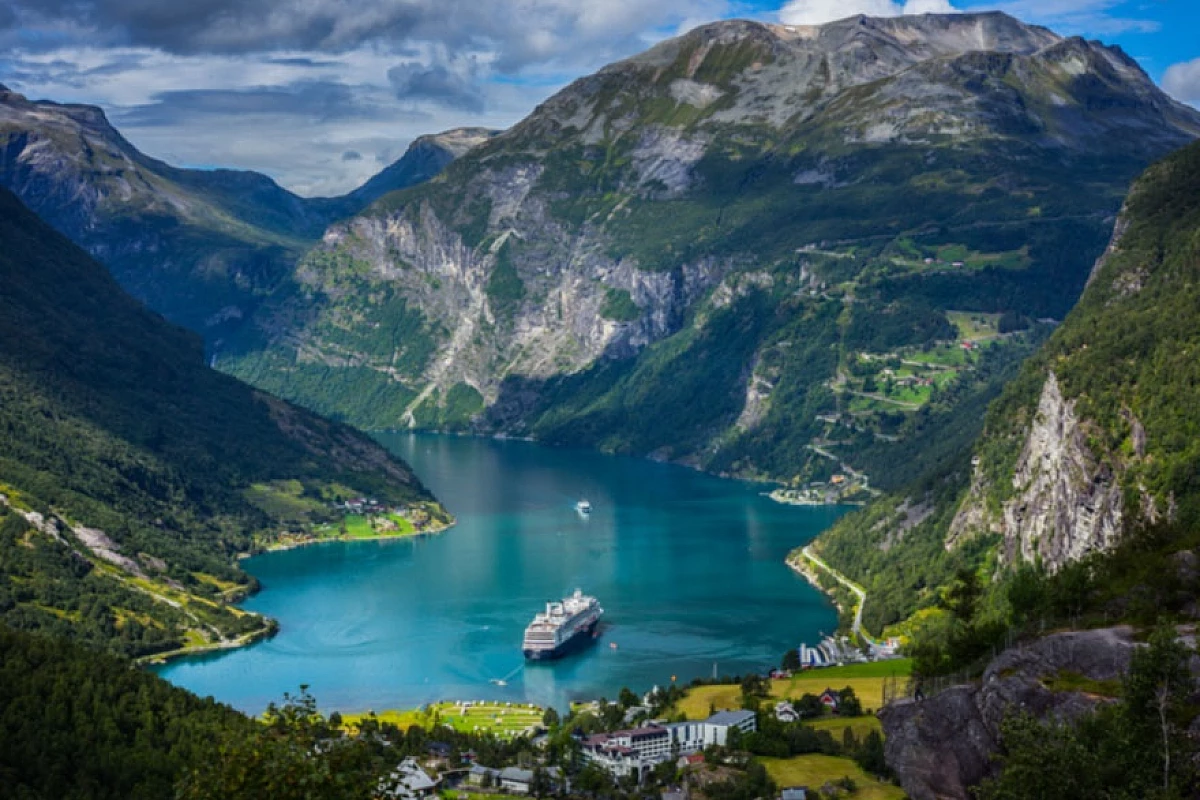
(695,254)
(202,247)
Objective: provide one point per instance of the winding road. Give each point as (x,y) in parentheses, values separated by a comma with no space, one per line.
(852,586)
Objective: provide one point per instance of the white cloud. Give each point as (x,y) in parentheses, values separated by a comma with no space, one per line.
(1182,81)
(816,12)
(1071,17)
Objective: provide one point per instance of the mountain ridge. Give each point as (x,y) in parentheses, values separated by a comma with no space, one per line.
(559,279)
(201,246)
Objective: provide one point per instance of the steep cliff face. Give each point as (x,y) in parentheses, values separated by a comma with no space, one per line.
(1066,500)
(696,220)
(1096,436)
(202,247)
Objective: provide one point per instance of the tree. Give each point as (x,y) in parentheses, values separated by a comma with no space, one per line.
(627,699)
(550,719)
(870,755)
(848,703)
(294,756)
(539,785)
(809,705)
(791,660)
(756,686)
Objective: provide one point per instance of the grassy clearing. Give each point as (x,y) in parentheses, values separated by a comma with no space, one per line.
(866,679)
(814,771)
(974,325)
(504,720)
(1071,681)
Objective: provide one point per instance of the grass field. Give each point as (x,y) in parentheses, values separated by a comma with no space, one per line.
(814,771)
(498,718)
(866,679)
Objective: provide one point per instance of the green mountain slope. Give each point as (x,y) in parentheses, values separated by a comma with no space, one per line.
(131,474)
(202,247)
(1097,437)
(836,238)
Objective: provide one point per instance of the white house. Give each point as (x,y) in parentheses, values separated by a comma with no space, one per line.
(786,712)
(408,782)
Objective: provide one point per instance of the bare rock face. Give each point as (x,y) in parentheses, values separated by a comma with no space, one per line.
(942,746)
(1069,502)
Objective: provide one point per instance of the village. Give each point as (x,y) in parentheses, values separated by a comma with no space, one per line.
(788,734)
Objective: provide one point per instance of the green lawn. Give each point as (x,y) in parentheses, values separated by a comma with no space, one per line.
(974,325)
(498,718)
(814,771)
(866,679)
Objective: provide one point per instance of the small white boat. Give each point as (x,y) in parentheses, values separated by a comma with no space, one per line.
(583,507)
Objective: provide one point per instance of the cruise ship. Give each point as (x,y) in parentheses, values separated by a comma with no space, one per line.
(563,627)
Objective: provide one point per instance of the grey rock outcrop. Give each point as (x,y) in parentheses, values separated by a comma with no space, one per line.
(942,746)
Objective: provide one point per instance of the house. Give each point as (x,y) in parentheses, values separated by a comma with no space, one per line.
(408,782)
(830,699)
(633,712)
(786,712)
(515,779)
(793,793)
(439,750)
(693,760)
(483,776)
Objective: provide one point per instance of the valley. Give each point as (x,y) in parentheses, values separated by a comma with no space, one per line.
(878,333)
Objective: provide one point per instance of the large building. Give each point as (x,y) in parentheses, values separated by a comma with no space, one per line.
(636,751)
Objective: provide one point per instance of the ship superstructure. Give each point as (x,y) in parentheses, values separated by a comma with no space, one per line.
(562,627)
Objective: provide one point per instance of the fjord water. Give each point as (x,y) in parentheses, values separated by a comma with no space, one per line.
(689,568)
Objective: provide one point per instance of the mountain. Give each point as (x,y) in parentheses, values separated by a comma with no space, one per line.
(202,247)
(770,251)
(424,158)
(131,474)
(1094,442)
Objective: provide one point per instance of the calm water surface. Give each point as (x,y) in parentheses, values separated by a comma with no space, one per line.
(689,569)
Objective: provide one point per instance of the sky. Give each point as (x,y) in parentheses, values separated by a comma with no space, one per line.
(322,94)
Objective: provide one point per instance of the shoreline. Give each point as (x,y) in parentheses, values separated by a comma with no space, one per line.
(269,629)
(308,542)
(270,625)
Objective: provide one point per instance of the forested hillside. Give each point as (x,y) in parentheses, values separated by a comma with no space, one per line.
(1092,446)
(131,474)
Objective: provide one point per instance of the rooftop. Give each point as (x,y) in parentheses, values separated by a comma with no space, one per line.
(730,717)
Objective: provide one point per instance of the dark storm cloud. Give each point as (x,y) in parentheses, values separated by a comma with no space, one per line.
(236,26)
(351,155)
(307,100)
(437,84)
(517,33)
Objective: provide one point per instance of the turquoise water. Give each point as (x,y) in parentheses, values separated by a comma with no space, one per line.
(688,567)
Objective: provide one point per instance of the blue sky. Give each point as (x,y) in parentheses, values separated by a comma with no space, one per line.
(321,94)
